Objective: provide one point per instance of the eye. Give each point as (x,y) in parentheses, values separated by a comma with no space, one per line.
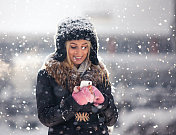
(84,47)
(73,47)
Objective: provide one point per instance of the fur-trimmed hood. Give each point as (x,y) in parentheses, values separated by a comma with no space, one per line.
(68,77)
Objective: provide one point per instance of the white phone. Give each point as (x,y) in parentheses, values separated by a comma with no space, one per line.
(85,83)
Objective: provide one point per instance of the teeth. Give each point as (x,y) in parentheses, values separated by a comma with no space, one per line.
(76,58)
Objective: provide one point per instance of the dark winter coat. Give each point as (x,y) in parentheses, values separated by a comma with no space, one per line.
(60,112)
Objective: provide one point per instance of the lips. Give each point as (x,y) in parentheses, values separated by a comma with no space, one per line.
(77,58)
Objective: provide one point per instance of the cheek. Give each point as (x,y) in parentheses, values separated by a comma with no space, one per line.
(70,52)
(86,52)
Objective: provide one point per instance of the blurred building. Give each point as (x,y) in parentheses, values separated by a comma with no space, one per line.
(134,26)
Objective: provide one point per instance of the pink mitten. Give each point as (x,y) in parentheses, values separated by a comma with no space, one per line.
(82,96)
(88,94)
(99,98)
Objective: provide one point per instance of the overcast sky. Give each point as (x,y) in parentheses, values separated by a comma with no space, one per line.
(121,16)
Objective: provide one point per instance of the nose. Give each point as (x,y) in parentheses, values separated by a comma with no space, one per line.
(78,51)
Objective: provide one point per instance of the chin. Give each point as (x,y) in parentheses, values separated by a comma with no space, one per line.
(78,63)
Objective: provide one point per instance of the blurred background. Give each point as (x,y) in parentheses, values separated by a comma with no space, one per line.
(137,44)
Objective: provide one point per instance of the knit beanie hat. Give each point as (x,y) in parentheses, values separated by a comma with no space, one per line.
(75,29)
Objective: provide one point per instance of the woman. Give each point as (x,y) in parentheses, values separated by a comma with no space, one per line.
(62,105)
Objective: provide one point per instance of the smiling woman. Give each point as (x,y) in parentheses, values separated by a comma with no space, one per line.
(64,106)
(78,51)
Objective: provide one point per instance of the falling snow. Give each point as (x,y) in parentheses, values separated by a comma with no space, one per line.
(140,58)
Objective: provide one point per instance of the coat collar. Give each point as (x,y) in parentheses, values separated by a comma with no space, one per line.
(83,67)
(67,76)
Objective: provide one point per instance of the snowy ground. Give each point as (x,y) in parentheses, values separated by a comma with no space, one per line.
(5,130)
(144,91)
(39,131)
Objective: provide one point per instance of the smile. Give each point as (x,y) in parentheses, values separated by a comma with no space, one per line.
(77,58)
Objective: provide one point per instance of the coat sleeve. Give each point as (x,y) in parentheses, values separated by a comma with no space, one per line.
(51,111)
(109,109)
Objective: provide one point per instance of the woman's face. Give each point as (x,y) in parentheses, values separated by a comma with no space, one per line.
(78,51)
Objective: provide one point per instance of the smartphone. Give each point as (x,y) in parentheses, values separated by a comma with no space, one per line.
(85,83)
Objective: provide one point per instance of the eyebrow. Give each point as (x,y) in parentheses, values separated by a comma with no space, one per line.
(76,44)
(84,43)
(73,43)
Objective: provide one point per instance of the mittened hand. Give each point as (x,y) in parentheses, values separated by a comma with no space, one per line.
(98,96)
(79,96)
(82,96)
(87,92)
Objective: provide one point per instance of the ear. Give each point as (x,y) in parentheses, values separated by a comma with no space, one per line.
(93,57)
(60,54)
